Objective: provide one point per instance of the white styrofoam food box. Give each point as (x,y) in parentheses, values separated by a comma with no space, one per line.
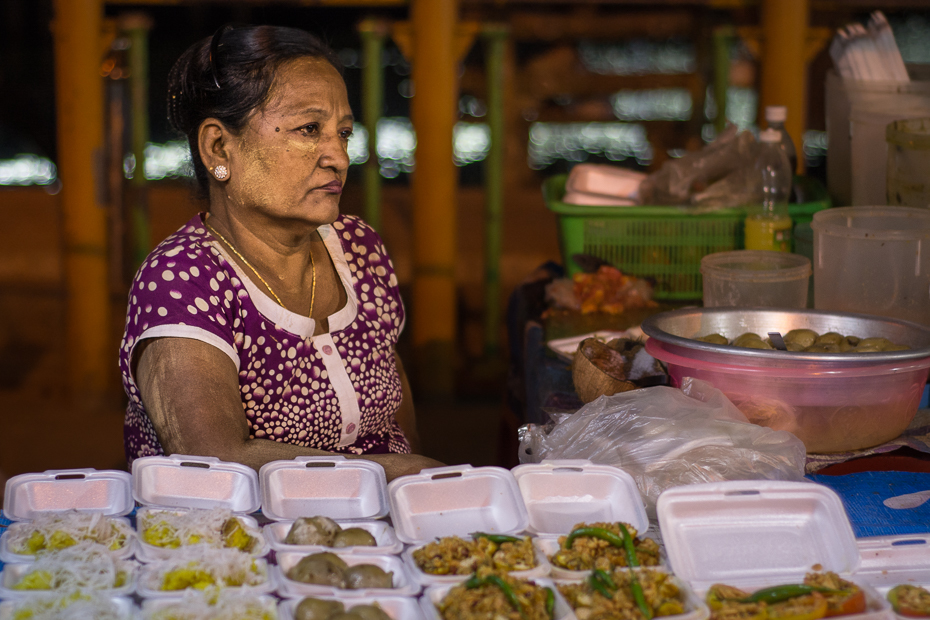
(150,607)
(351,492)
(404,584)
(150,575)
(88,491)
(889,561)
(541,569)
(13,574)
(752,534)
(179,483)
(434,594)
(396,607)
(122,607)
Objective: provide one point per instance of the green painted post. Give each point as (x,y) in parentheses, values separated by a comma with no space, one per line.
(723,39)
(373,33)
(496,41)
(137,26)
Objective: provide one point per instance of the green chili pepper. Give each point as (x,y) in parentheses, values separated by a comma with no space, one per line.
(550,602)
(496,538)
(594,532)
(604,577)
(631,559)
(494,580)
(598,586)
(778,594)
(639,596)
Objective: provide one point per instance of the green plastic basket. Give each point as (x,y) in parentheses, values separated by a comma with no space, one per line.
(665,244)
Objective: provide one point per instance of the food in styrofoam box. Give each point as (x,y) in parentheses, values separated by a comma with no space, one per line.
(610,594)
(900,564)
(59,530)
(215,527)
(334,574)
(820,595)
(200,567)
(85,565)
(229,604)
(364,608)
(75,605)
(535,599)
(297,536)
(595,545)
(605,180)
(910,601)
(754,535)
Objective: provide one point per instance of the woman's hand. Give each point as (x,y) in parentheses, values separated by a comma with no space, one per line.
(190,390)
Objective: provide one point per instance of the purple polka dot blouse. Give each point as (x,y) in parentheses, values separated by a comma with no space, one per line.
(337,391)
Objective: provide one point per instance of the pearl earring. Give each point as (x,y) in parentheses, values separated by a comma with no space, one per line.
(220,172)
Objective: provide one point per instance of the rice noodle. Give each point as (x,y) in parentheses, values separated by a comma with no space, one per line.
(224,567)
(172,529)
(67,528)
(227,605)
(86,565)
(77,605)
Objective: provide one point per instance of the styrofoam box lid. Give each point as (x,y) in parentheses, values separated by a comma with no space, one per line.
(329,486)
(895,560)
(755,531)
(179,481)
(455,501)
(561,493)
(107,492)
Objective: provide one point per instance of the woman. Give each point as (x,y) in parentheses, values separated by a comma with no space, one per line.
(266,328)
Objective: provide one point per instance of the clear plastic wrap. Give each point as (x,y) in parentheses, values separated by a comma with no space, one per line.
(665,437)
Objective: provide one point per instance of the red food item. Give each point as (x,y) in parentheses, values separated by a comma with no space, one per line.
(610,290)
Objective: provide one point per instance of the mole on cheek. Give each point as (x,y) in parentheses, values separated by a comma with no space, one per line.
(277,129)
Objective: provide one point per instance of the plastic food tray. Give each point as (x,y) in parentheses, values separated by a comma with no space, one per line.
(397,607)
(695,608)
(434,595)
(150,572)
(403,582)
(125,607)
(541,569)
(351,492)
(754,534)
(13,573)
(28,496)
(177,483)
(889,561)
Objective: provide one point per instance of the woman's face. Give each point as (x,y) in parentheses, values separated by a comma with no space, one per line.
(290,160)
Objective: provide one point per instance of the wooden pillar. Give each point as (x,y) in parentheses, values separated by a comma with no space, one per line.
(784,63)
(434,190)
(91,356)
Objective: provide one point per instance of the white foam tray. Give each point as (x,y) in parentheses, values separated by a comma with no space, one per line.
(330,486)
(548,546)
(13,574)
(753,534)
(456,501)
(434,595)
(404,584)
(125,606)
(541,569)
(151,606)
(149,575)
(559,494)
(397,607)
(179,481)
(151,553)
(386,539)
(7,556)
(889,561)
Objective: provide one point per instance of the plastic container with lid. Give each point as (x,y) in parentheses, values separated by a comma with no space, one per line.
(755,278)
(457,501)
(433,596)
(351,492)
(756,534)
(908,178)
(873,260)
(89,491)
(396,607)
(180,483)
(404,583)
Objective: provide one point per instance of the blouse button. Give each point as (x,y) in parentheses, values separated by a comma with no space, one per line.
(328,350)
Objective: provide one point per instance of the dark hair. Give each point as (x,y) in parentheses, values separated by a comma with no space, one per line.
(228,75)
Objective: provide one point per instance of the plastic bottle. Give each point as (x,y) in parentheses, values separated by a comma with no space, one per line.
(768,225)
(775,117)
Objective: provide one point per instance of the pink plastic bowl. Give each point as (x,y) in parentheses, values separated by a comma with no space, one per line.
(831,402)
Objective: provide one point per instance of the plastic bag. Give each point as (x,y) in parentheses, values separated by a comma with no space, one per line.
(666,437)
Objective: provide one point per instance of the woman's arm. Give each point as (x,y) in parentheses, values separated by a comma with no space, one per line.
(190,390)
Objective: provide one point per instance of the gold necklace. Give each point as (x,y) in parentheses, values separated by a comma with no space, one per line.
(258,275)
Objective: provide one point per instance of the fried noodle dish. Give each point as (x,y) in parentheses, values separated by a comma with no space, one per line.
(822,595)
(600,545)
(497,596)
(457,556)
(85,565)
(613,596)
